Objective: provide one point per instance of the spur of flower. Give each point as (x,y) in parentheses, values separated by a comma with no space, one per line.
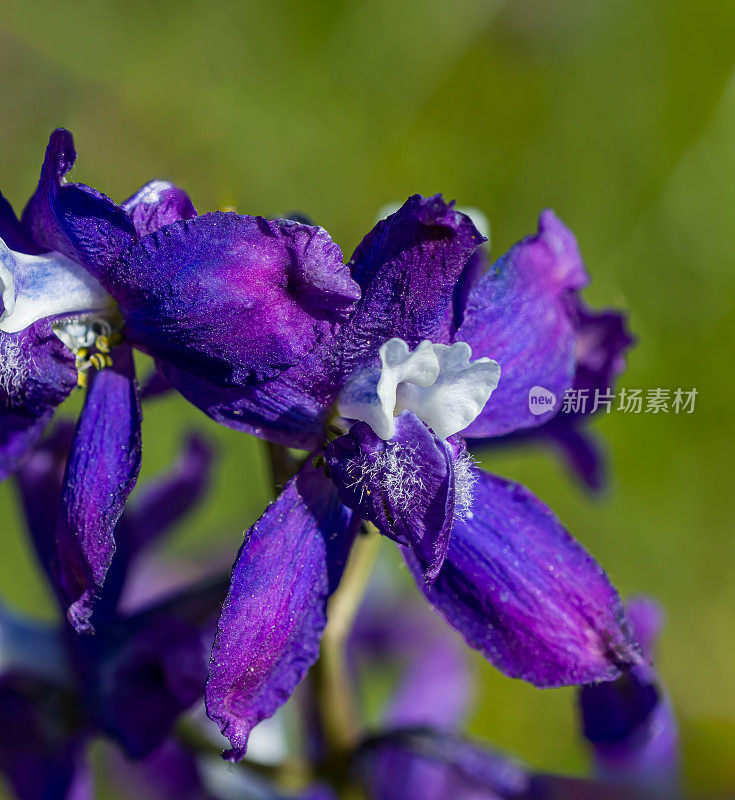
(58,325)
(379,368)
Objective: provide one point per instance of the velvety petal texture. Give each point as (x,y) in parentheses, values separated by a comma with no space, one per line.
(37,373)
(404,486)
(156,204)
(271,623)
(74,219)
(521,314)
(101,472)
(232,299)
(528,596)
(407,268)
(291,409)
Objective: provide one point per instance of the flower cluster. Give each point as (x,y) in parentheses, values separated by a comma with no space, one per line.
(389,370)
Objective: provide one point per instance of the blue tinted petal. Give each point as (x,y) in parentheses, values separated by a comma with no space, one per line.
(524,593)
(156,204)
(269,630)
(75,219)
(101,471)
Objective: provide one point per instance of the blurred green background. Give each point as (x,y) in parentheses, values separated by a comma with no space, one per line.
(620,114)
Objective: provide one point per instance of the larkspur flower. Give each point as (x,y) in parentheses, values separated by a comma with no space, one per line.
(130,681)
(57,324)
(275,333)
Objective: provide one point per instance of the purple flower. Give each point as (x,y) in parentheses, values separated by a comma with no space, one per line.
(630,722)
(132,679)
(57,325)
(409,363)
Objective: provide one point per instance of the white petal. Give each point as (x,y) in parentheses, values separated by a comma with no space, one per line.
(459,393)
(49,285)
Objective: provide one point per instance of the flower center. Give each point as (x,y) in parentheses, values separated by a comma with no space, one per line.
(48,286)
(438,382)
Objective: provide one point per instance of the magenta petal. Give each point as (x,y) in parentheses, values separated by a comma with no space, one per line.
(101,471)
(521,314)
(74,219)
(404,486)
(233,300)
(271,623)
(37,373)
(156,204)
(528,596)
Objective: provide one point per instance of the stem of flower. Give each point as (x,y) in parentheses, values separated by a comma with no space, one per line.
(339,716)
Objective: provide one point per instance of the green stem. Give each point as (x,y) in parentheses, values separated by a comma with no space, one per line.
(283,465)
(339,715)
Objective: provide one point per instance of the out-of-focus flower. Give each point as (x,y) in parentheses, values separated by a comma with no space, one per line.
(58,324)
(135,676)
(392,348)
(630,722)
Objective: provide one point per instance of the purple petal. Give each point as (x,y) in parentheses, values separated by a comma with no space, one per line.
(632,728)
(37,373)
(72,218)
(474,269)
(269,631)
(435,685)
(40,481)
(101,471)
(422,764)
(646,619)
(15,236)
(602,340)
(630,722)
(232,300)
(525,594)
(42,740)
(155,385)
(435,688)
(153,510)
(170,773)
(520,314)
(147,673)
(404,486)
(291,409)
(407,268)
(156,204)
(580,450)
